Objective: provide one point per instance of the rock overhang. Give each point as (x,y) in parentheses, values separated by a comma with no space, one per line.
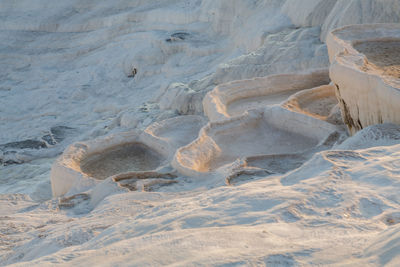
(365,70)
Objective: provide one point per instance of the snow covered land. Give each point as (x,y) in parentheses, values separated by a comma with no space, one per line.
(199,133)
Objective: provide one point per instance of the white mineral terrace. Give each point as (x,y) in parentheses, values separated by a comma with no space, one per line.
(200,133)
(365,68)
(234,98)
(123,156)
(319,102)
(257,131)
(264,131)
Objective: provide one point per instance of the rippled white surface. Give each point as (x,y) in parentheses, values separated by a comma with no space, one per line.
(67,64)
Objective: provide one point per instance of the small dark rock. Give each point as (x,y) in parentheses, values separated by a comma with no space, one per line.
(49,139)
(59,133)
(32,144)
(11,162)
(390,221)
(178,36)
(133,73)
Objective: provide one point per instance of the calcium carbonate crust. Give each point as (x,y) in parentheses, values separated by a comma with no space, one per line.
(368,94)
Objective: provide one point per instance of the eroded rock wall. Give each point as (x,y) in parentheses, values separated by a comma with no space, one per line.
(365,68)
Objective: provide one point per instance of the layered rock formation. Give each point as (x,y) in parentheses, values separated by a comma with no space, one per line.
(252,121)
(263,131)
(124,156)
(365,66)
(234,98)
(114,73)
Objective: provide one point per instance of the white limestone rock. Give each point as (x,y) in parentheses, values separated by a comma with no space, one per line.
(332,14)
(308,13)
(286,51)
(85,164)
(122,156)
(234,98)
(270,131)
(176,132)
(366,70)
(349,12)
(319,102)
(386,134)
(181,98)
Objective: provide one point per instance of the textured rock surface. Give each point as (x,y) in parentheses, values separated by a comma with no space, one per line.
(319,102)
(368,88)
(308,13)
(85,164)
(234,98)
(269,131)
(347,12)
(106,67)
(332,14)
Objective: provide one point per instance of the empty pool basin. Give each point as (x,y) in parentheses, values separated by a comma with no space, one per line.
(132,160)
(84,164)
(120,159)
(317,102)
(234,98)
(270,131)
(178,131)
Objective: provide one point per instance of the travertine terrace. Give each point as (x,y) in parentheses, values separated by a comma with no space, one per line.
(265,131)
(85,164)
(123,156)
(199,133)
(234,98)
(365,68)
(319,102)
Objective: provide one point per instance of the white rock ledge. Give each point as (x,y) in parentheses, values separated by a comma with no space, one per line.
(365,66)
(122,156)
(71,170)
(269,131)
(319,102)
(234,98)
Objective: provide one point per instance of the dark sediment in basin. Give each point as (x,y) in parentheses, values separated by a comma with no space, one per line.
(384,55)
(120,159)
